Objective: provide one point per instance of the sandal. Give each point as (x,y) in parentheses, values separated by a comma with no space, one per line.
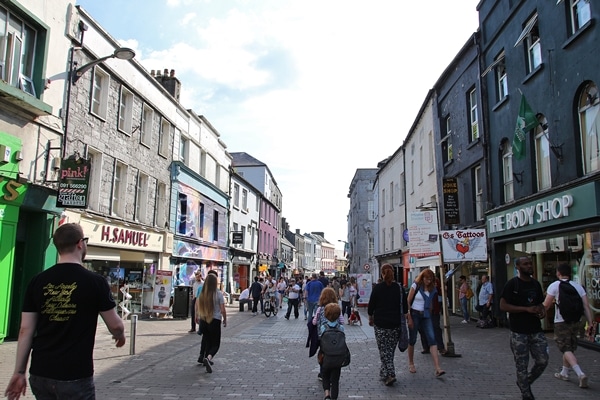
(439,373)
(412,369)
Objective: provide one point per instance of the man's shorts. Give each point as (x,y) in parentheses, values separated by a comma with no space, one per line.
(565,335)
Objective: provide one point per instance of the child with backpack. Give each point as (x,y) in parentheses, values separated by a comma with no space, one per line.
(334,353)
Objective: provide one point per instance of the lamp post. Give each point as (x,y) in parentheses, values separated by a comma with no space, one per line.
(449,343)
(121,53)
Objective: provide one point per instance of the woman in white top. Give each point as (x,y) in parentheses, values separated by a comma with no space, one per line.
(421,296)
(281,286)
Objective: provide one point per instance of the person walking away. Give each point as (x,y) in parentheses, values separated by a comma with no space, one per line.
(353,292)
(462,297)
(386,304)
(293,295)
(210,313)
(313,291)
(58,324)
(331,375)
(323,279)
(281,287)
(566,327)
(196,288)
(420,297)
(486,297)
(327,297)
(522,298)
(255,293)
(335,284)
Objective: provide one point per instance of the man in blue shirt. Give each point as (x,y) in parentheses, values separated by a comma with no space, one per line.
(313,292)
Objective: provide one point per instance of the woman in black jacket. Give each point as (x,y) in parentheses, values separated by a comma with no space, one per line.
(387,302)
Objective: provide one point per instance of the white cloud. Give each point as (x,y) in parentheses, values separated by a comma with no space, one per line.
(187,18)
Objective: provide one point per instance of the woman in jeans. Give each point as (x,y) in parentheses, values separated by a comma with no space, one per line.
(210,311)
(462,297)
(421,297)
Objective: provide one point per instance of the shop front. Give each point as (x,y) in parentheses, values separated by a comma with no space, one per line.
(242,264)
(189,257)
(129,257)
(563,227)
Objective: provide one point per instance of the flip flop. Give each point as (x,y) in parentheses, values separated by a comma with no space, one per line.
(439,373)
(412,369)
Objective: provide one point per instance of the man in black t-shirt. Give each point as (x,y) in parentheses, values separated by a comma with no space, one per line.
(58,324)
(523,299)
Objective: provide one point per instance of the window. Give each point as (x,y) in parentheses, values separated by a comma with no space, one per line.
(421,164)
(146,125)
(402,229)
(125,110)
(215,226)
(391,196)
(141,198)
(371,210)
(382,202)
(589,125)
(431,153)
(95,179)
(244,200)
(402,195)
(534,49)
(119,188)
(446,141)
(17,51)
(182,207)
(160,218)
(581,14)
(203,157)
(100,93)
(236,195)
(201,219)
(184,148)
(473,118)
(501,78)
(478,193)
(392,239)
(165,136)
(542,154)
(507,171)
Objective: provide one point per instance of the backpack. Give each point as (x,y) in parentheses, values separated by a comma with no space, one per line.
(569,302)
(333,345)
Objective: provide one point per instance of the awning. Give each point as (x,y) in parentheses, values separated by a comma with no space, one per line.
(526,30)
(493,65)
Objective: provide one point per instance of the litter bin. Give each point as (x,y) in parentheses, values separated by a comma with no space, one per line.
(181,301)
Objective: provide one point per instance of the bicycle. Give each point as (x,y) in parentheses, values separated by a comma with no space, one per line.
(270,308)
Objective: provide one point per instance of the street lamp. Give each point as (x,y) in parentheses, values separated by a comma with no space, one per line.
(121,53)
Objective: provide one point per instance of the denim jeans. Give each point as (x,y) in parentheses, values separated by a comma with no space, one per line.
(51,389)
(420,322)
(464,306)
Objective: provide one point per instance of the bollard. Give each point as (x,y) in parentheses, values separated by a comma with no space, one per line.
(134,319)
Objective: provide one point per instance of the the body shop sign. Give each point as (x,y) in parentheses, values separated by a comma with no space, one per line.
(576,204)
(74,177)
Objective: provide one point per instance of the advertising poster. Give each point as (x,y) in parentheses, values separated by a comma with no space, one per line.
(423,233)
(74,177)
(162,291)
(464,245)
(365,285)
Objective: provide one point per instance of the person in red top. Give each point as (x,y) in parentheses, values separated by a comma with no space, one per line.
(61,307)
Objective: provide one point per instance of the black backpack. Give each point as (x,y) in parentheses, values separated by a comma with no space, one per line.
(569,302)
(333,345)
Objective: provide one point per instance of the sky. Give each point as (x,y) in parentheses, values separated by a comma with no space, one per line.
(315,89)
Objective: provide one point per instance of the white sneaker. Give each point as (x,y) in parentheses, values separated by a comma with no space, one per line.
(583,381)
(560,376)
(464,321)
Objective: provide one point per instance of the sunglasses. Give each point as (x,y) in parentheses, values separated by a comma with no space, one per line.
(85,239)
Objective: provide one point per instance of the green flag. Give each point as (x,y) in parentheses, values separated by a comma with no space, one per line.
(526,120)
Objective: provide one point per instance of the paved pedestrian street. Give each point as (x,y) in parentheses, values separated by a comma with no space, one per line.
(266,358)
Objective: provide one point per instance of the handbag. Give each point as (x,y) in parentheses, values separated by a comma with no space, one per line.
(403,337)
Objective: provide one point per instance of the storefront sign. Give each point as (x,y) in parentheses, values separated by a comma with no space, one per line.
(424,233)
(451,208)
(575,204)
(10,188)
(114,236)
(464,245)
(74,176)
(124,236)
(237,238)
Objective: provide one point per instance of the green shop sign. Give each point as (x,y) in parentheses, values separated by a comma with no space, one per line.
(575,204)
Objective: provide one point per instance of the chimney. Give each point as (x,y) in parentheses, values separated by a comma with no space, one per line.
(171,83)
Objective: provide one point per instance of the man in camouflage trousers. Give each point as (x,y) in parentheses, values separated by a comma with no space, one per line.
(523,299)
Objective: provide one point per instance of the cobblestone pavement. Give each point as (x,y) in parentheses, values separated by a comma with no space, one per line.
(266,358)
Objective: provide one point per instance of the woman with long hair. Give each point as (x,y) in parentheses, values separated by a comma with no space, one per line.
(421,298)
(328,296)
(210,311)
(386,304)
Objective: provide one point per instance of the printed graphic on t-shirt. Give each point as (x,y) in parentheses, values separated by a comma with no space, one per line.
(57,304)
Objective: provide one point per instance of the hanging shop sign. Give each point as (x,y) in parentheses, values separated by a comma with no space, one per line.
(237,238)
(424,233)
(73,184)
(451,208)
(464,245)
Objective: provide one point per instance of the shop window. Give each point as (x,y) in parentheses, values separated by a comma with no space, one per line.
(182,214)
(215,226)
(201,220)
